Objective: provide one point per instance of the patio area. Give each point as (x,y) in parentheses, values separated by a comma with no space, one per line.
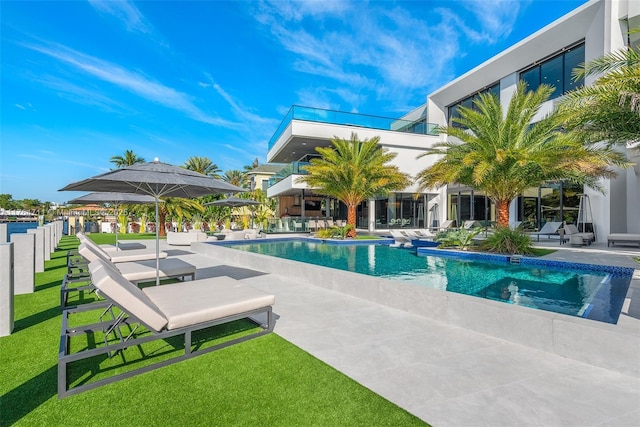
(448,375)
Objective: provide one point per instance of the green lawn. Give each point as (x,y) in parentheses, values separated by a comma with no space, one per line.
(265,381)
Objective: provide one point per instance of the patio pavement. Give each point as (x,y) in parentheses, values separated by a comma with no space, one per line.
(447,376)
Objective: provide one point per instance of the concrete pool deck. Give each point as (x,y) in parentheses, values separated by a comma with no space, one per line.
(445,374)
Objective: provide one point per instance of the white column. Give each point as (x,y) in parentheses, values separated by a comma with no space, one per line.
(6,289)
(3,233)
(24,255)
(372,215)
(39,233)
(47,242)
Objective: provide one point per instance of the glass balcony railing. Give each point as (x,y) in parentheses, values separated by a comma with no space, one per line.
(319,115)
(294,168)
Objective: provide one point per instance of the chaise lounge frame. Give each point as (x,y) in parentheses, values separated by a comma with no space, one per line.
(160,324)
(65,357)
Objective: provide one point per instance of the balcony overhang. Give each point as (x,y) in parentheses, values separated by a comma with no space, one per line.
(288,186)
(300,138)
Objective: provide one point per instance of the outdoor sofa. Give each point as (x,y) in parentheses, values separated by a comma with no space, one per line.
(158,313)
(624,238)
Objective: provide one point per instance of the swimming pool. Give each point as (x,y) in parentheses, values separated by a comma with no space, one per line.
(586,291)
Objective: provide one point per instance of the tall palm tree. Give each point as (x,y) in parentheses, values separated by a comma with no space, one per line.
(609,109)
(235,177)
(203,165)
(503,155)
(353,171)
(129,158)
(176,207)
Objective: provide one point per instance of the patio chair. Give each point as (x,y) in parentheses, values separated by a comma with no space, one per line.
(158,313)
(577,238)
(548,229)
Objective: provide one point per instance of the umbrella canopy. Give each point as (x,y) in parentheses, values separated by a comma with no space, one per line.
(157,180)
(234,202)
(115,199)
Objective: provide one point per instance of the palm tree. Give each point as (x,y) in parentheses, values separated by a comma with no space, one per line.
(252,166)
(353,171)
(129,158)
(203,165)
(609,109)
(503,155)
(176,207)
(235,177)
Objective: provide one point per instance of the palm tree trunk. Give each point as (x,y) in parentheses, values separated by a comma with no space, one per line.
(351,220)
(160,223)
(502,206)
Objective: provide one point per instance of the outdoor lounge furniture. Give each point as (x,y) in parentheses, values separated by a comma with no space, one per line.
(136,272)
(575,237)
(548,229)
(623,238)
(158,313)
(186,238)
(123,256)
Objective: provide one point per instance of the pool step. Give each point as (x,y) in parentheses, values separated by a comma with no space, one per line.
(515,259)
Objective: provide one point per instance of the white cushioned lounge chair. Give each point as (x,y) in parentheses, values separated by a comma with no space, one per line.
(165,311)
(623,238)
(136,272)
(548,229)
(123,256)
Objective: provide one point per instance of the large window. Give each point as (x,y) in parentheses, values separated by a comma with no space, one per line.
(469,101)
(556,71)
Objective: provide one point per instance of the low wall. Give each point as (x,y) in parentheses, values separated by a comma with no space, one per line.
(601,344)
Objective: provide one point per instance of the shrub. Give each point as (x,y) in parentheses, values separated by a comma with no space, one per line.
(507,241)
(459,239)
(334,232)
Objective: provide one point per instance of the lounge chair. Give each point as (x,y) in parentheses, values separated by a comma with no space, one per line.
(124,256)
(165,311)
(401,239)
(548,229)
(136,272)
(624,238)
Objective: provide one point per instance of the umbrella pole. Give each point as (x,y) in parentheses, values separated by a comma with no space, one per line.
(116,209)
(157,244)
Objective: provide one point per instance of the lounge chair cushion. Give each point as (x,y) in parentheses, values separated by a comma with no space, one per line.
(126,295)
(146,270)
(194,302)
(142,270)
(123,256)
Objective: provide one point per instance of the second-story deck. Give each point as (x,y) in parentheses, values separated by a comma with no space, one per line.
(303,128)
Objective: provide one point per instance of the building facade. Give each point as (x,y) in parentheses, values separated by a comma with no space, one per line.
(547,56)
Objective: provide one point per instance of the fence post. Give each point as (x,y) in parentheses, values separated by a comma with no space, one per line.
(6,289)
(39,233)
(24,255)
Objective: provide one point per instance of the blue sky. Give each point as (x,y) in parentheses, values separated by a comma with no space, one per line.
(82,81)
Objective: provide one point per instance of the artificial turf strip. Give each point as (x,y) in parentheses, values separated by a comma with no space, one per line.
(263,381)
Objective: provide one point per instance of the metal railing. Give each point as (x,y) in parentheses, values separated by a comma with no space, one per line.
(320,115)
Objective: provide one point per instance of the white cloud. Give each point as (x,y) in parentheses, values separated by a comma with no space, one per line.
(384,49)
(133,82)
(20,106)
(126,12)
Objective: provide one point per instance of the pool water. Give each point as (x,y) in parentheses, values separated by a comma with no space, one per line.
(591,294)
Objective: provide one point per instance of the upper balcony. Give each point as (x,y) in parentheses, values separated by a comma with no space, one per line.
(304,128)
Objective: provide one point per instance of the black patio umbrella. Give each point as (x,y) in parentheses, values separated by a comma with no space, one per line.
(155,179)
(115,199)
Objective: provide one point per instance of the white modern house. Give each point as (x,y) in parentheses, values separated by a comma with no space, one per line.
(547,56)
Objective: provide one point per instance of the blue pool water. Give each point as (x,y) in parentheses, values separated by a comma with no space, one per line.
(591,293)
